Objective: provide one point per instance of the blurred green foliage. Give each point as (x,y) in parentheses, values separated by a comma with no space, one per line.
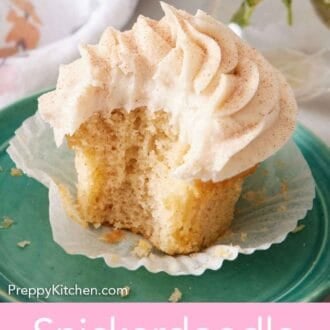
(322,8)
(243,14)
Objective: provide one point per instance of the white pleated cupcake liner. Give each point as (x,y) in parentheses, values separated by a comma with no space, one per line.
(273,200)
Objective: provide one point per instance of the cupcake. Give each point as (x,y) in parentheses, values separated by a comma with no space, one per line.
(166,121)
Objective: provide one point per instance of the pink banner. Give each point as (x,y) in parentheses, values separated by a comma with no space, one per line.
(165,316)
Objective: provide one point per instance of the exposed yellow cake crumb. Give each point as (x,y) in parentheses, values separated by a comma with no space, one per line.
(175,296)
(143,249)
(125,163)
(16,172)
(114,236)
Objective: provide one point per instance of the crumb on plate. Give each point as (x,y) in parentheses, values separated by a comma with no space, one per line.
(175,296)
(298,229)
(23,244)
(6,223)
(125,291)
(142,249)
(16,172)
(114,236)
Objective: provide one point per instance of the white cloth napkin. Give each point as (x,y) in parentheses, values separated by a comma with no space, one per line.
(36,36)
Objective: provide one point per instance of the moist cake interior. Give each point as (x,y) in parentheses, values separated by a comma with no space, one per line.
(125,163)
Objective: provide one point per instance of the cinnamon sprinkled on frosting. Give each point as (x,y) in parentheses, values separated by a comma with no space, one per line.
(228,103)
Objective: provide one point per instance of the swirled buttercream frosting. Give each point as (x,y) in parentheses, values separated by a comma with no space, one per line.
(228,103)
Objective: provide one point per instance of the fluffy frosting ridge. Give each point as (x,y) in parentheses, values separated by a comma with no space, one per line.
(229,104)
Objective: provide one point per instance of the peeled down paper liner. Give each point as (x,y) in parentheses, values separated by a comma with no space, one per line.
(274,199)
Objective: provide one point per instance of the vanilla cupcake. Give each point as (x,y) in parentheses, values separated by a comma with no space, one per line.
(166,121)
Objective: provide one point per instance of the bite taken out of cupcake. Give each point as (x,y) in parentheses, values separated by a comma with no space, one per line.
(166,121)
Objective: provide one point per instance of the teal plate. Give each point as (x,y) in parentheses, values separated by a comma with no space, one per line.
(296,270)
